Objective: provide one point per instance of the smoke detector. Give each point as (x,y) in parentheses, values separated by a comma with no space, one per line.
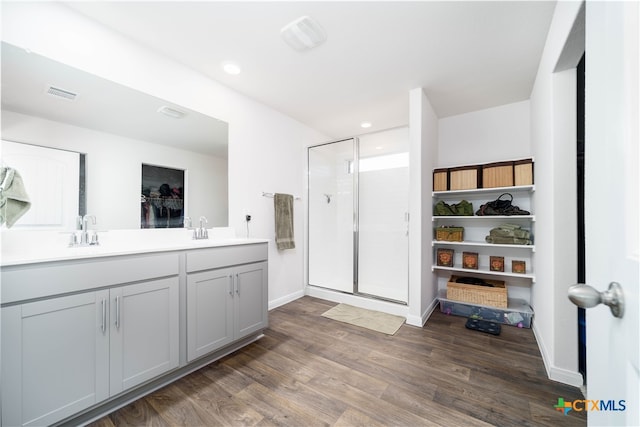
(58,93)
(303,34)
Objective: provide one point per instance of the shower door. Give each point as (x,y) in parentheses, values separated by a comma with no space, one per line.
(358,215)
(383,206)
(331,215)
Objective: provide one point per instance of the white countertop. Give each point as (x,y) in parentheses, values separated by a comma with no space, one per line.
(30,247)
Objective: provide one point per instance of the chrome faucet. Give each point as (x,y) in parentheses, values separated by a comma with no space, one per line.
(201,233)
(83,237)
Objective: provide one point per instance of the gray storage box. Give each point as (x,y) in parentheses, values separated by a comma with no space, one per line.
(518,313)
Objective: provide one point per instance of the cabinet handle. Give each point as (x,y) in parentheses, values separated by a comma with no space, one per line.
(237,284)
(117,312)
(103,327)
(231,285)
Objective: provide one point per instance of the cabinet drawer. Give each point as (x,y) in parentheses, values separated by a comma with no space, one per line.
(20,283)
(210,258)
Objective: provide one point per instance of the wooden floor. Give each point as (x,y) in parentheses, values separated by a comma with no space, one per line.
(312,371)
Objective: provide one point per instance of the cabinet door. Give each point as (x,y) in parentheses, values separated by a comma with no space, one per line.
(54,358)
(143,332)
(209,312)
(250,288)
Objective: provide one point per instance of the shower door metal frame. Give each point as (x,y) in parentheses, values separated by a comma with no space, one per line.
(355,212)
(356,216)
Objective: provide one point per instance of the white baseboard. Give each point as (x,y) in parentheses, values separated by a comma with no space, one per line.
(566,376)
(285,299)
(420,321)
(554,373)
(543,350)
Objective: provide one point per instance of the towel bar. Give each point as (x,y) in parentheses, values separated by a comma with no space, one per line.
(271,195)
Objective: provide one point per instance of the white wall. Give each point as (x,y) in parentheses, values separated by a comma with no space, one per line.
(113,174)
(553,140)
(266,148)
(423,139)
(491,135)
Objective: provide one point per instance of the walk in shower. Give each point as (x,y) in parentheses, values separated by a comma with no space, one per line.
(358,215)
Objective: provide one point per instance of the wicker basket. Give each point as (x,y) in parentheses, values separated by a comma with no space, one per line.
(523,172)
(450,234)
(495,296)
(497,175)
(441,179)
(465,178)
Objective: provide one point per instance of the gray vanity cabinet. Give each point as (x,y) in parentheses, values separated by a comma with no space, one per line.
(225,305)
(250,300)
(210,311)
(82,336)
(144,341)
(228,303)
(64,354)
(55,358)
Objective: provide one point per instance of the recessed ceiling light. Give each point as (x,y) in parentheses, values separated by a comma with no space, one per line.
(365,125)
(378,148)
(231,68)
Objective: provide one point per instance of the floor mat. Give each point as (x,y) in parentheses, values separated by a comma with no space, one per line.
(374,320)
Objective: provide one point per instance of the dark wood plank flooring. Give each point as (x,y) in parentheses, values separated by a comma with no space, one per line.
(312,371)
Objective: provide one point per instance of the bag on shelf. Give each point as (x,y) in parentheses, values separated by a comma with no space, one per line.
(450,233)
(463,208)
(510,234)
(501,207)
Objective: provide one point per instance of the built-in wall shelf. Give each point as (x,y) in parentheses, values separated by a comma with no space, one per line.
(532,248)
(477,227)
(514,189)
(483,271)
(502,218)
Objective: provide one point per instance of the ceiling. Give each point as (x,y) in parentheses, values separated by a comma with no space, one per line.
(466,55)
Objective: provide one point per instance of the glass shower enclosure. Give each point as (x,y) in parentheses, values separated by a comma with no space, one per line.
(358,215)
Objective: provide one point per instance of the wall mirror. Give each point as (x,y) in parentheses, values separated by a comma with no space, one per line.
(117,129)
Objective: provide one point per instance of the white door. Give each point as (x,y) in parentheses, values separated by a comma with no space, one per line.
(50,179)
(611,208)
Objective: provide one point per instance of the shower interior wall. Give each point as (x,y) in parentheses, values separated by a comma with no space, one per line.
(383,206)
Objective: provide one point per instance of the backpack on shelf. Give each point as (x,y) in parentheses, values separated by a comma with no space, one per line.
(510,234)
(501,207)
(463,208)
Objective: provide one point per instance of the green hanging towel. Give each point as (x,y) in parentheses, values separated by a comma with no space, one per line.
(283,204)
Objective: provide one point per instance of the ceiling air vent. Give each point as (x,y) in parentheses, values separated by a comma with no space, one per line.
(56,92)
(171,112)
(303,34)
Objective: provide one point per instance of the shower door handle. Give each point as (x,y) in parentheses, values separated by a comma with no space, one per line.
(406,219)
